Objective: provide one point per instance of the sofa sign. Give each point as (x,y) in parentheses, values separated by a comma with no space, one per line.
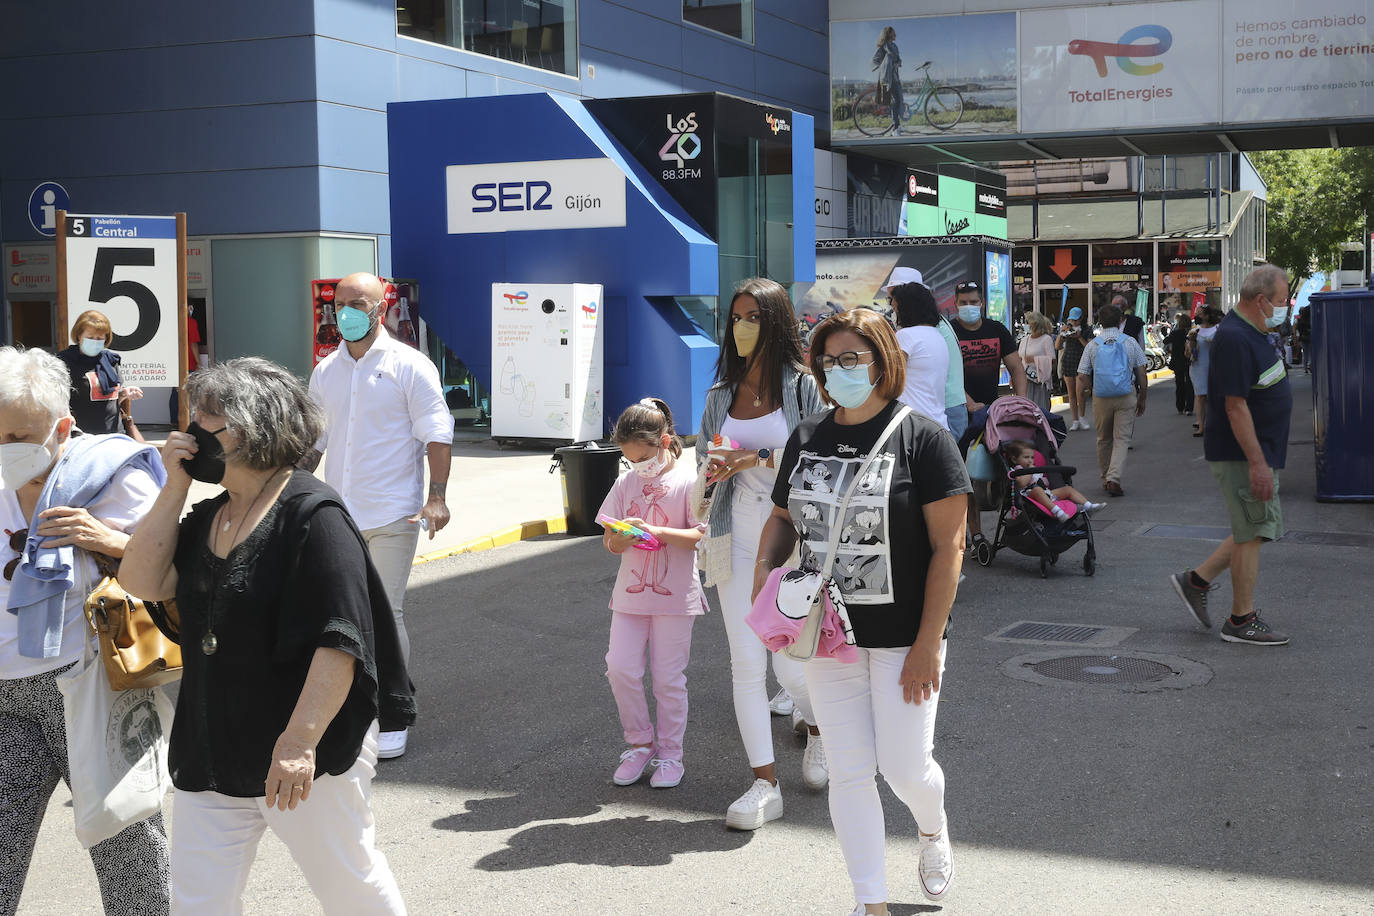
(530,196)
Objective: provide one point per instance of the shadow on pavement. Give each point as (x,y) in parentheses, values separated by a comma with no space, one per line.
(638,841)
(511,811)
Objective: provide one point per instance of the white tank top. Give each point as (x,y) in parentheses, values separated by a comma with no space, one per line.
(767,431)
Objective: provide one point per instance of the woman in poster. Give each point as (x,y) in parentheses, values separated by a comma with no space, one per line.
(890,60)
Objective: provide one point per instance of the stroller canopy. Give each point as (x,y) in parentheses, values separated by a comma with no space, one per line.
(1013,417)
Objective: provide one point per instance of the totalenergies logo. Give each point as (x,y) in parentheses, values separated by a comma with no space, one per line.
(519,298)
(1126,48)
(589,308)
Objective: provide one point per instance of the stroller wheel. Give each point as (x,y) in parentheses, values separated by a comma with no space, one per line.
(1089,564)
(984,553)
(1054,559)
(1044,567)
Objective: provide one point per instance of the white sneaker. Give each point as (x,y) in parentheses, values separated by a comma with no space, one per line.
(781,704)
(391,744)
(798,723)
(761,804)
(935,863)
(815,773)
(1090,508)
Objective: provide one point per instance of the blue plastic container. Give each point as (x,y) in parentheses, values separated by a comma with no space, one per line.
(1343,394)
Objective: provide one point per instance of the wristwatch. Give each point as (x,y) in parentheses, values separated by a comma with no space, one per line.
(764,455)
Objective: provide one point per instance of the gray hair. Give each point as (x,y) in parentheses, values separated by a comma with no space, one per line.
(1262,281)
(268,409)
(35,380)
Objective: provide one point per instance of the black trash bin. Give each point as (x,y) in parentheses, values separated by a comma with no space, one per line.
(589,472)
(1343,394)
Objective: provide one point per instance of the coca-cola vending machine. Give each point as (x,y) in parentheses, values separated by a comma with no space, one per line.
(401,315)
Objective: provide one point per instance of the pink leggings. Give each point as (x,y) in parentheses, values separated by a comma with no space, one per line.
(668,639)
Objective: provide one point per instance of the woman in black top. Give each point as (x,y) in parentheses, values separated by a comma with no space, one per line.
(289,646)
(1176,344)
(897,568)
(100,402)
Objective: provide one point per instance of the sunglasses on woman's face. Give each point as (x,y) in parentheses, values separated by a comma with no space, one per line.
(17,541)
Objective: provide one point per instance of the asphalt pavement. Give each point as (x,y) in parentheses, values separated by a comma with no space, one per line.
(1237,782)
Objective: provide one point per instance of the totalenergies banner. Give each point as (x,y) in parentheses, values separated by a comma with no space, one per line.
(1178,63)
(1142,65)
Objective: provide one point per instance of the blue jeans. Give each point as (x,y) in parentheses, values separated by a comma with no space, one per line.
(957,417)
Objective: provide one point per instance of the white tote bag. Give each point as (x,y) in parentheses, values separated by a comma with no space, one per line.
(116,749)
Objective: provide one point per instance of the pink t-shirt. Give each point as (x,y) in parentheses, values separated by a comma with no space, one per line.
(657,581)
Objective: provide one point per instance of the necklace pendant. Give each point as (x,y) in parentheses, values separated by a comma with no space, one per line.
(209,644)
(757,402)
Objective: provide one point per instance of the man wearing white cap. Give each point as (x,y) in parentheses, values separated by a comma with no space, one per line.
(955,412)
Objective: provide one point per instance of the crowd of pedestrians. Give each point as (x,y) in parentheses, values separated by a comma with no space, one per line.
(827,503)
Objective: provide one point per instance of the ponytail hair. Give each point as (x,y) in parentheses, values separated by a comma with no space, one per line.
(648,422)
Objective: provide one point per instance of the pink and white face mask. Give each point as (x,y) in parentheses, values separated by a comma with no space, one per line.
(650,467)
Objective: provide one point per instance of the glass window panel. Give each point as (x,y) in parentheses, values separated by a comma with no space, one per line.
(729,17)
(540,33)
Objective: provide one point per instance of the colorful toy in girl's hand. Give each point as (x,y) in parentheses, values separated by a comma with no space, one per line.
(720,444)
(645,540)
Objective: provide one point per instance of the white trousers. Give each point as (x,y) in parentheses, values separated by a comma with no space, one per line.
(748,654)
(330,836)
(393,553)
(868,728)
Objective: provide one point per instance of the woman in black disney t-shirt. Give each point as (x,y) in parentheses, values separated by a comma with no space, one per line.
(897,568)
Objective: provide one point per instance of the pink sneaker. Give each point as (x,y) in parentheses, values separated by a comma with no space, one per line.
(667,773)
(633,763)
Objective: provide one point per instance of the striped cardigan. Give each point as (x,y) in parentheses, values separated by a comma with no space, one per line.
(800,398)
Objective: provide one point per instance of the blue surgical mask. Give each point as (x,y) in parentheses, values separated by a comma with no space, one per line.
(848,387)
(355,324)
(970,314)
(92,346)
(1279,317)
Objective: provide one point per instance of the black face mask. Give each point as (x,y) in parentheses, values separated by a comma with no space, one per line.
(207,465)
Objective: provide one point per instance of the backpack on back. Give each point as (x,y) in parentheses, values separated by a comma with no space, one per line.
(1112,375)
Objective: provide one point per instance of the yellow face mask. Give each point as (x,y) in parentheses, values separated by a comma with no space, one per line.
(746,337)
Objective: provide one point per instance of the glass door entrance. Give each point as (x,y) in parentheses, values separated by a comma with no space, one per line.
(1052,297)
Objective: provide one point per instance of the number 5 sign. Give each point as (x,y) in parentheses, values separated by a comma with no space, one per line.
(131,269)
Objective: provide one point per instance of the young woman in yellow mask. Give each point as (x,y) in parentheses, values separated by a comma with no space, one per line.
(762,391)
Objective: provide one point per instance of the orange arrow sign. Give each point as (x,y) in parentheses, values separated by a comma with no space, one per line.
(1063,263)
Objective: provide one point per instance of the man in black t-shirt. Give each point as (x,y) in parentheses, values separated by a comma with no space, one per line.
(986,345)
(1245,444)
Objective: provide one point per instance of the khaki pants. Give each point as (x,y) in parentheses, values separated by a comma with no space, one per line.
(393,553)
(1115,421)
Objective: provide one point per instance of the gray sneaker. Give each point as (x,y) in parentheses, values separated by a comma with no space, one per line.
(1195,598)
(1254,631)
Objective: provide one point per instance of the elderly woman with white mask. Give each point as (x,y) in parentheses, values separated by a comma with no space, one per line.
(62,499)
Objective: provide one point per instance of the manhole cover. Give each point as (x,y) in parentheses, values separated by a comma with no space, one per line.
(1138,672)
(1103,669)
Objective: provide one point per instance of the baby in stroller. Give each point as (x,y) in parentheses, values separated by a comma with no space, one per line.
(1020,454)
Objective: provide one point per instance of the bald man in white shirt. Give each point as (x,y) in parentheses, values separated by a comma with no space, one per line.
(385,413)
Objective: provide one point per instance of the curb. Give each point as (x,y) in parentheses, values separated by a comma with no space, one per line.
(1058,401)
(554,524)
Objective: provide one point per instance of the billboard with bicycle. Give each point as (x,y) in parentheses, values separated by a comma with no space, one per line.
(923,76)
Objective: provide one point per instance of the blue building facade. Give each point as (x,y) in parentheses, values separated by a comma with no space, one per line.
(266,122)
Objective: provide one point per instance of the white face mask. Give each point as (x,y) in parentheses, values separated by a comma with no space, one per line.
(21,462)
(650,467)
(91,346)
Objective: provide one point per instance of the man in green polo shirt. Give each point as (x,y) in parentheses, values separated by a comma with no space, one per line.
(1245,444)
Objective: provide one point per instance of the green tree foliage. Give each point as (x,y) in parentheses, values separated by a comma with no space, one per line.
(1318,199)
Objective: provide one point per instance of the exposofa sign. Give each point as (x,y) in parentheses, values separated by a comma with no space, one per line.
(1170,64)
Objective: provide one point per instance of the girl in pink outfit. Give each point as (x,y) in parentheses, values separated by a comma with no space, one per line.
(657,593)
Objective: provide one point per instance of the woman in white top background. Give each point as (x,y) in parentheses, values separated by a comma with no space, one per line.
(1037,352)
(762,392)
(927,357)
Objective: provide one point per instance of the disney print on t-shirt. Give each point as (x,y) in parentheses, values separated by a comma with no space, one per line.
(863,560)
